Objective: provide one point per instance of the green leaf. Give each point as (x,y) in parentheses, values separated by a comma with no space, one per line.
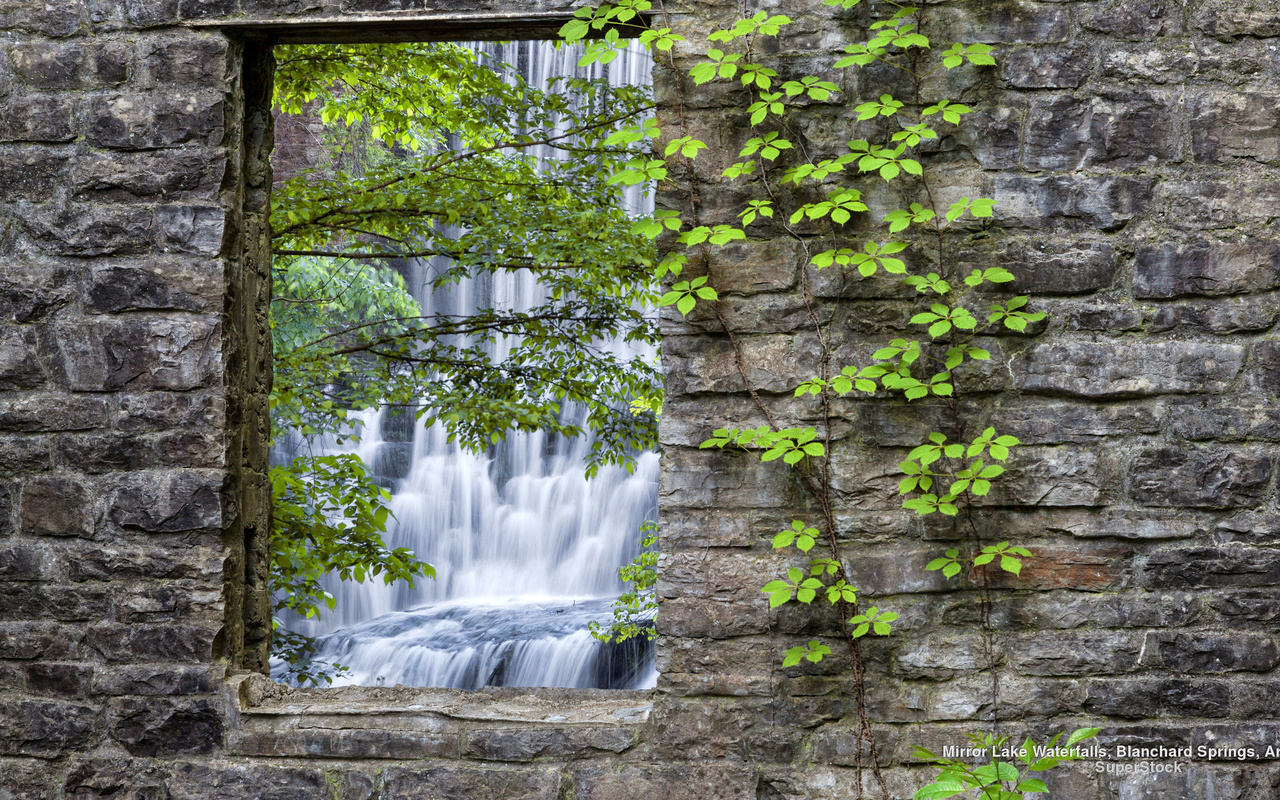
(1083,734)
(940,791)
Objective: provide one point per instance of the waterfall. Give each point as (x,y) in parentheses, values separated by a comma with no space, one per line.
(526,548)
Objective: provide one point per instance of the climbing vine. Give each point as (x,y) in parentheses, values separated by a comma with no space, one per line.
(820,200)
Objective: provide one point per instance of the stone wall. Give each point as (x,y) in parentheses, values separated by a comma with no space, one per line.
(1134,147)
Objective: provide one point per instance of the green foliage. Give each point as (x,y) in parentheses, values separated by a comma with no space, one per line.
(392,189)
(639,603)
(873,619)
(790,444)
(328,518)
(939,476)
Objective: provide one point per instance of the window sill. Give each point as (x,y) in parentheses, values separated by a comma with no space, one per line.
(504,724)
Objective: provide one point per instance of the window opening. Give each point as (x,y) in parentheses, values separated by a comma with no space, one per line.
(526,543)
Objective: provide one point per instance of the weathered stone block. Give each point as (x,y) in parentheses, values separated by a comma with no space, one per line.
(18,370)
(85,231)
(161,727)
(524,744)
(201,560)
(28,641)
(697,528)
(35,16)
(147,122)
(177,354)
(31,173)
(1110,369)
(758,266)
(1203,421)
(304,742)
(156,680)
(1066,609)
(187,229)
(1195,781)
(142,643)
(1211,567)
(1073,266)
(692,782)
(34,413)
(1199,478)
(199,9)
(1057,476)
(67,680)
(196,61)
(1229,20)
(170,410)
(1211,652)
(20,601)
(1171,63)
(167,502)
(44,727)
(24,453)
(146,13)
(71,65)
(56,505)
(147,175)
(700,479)
(714,618)
(1062,67)
(38,118)
(91,453)
(179,286)
(1145,697)
(1206,268)
(1070,201)
(23,562)
(939,656)
(463,783)
(27,779)
(1222,317)
(1113,128)
(1101,318)
(1144,19)
(1076,653)
(1226,126)
(1052,422)
(1006,23)
(202,781)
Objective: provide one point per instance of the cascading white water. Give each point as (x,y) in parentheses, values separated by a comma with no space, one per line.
(526,548)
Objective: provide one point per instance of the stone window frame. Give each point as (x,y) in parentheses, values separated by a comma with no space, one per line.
(269,718)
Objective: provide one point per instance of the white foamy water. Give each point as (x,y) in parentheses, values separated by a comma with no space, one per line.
(526,548)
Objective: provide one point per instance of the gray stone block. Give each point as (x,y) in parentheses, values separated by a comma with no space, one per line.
(167,502)
(38,118)
(1206,268)
(148,122)
(31,173)
(1108,369)
(1202,478)
(1141,20)
(177,354)
(56,505)
(156,726)
(44,727)
(1061,67)
(1231,125)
